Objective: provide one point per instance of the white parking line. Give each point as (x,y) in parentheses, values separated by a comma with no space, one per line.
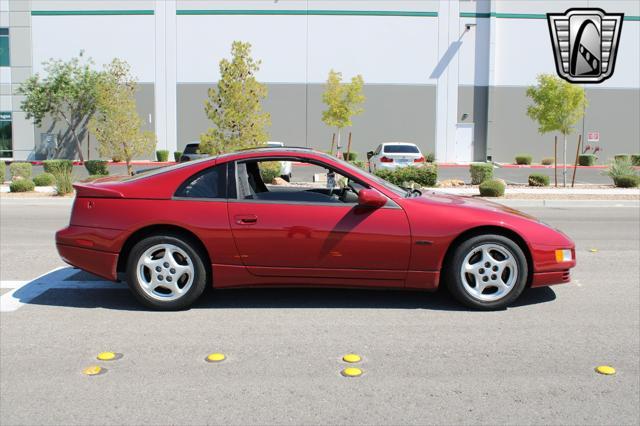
(24,292)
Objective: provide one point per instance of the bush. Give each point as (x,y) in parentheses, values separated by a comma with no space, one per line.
(630,181)
(116,159)
(538,179)
(22,185)
(480,172)
(621,172)
(162,155)
(524,159)
(3,170)
(97,167)
(269,170)
(359,164)
(430,157)
(547,161)
(45,179)
(492,188)
(91,178)
(424,175)
(350,156)
(176,156)
(64,182)
(635,160)
(58,166)
(622,157)
(22,170)
(586,160)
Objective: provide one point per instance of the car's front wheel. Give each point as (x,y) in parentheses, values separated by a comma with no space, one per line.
(166,272)
(487,272)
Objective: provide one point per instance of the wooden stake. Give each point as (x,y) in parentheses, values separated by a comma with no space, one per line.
(555,162)
(575,166)
(333,143)
(349,147)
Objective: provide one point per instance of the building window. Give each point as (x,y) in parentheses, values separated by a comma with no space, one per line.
(6,148)
(4,47)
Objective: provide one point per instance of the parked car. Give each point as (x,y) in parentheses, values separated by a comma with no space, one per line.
(214,222)
(285,166)
(191,152)
(390,155)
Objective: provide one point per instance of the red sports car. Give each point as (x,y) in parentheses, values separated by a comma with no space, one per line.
(220,221)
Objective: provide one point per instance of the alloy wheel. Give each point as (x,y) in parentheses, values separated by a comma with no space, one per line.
(165,272)
(489,272)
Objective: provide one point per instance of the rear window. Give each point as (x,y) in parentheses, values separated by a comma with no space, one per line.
(191,148)
(401,149)
(209,183)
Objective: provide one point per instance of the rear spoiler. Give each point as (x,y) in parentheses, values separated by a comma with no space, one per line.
(87,190)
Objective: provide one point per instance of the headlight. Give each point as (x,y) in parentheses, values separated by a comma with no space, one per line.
(563,255)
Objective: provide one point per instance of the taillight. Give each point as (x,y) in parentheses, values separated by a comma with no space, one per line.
(419,160)
(386,160)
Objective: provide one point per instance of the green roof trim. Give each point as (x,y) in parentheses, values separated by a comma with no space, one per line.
(305,12)
(520,15)
(89,12)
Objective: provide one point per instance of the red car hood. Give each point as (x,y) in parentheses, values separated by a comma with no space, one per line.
(429,197)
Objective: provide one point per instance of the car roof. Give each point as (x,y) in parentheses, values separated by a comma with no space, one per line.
(398,143)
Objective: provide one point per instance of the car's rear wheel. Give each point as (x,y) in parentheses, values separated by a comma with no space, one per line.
(487,272)
(166,272)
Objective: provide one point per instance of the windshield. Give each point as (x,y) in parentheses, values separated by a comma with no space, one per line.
(401,149)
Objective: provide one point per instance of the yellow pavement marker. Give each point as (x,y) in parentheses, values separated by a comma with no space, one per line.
(215,357)
(593,250)
(351,358)
(93,370)
(606,370)
(351,372)
(107,356)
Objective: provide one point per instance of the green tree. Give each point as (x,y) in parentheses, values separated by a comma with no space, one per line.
(343,100)
(557,107)
(235,106)
(67,92)
(116,124)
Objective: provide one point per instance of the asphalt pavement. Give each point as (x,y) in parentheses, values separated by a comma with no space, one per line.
(426,360)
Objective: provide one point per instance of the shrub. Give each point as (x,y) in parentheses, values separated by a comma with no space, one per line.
(430,157)
(622,157)
(358,164)
(621,171)
(45,179)
(22,185)
(3,170)
(492,188)
(635,160)
(91,178)
(524,159)
(22,170)
(269,170)
(538,179)
(97,167)
(424,175)
(57,166)
(480,172)
(162,155)
(586,159)
(630,181)
(64,182)
(350,156)
(177,155)
(116,159)
(547,161)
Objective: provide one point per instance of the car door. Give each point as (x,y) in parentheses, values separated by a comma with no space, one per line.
(308,236)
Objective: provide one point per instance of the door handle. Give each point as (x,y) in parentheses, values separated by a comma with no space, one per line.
(248,219)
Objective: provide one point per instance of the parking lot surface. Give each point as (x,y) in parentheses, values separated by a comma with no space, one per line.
(425,358)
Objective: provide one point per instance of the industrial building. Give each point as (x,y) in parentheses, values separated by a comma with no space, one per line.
(449,76)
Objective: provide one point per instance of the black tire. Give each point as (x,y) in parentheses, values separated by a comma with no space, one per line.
(452,272)
(197,287)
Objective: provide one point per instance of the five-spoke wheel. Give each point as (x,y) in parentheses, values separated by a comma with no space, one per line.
(487,272)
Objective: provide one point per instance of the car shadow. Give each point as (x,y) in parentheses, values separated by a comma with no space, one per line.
(92,292)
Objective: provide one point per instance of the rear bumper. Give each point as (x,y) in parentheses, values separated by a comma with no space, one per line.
(542,279)
(97,262)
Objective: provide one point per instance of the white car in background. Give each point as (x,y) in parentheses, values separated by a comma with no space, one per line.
(285,166)
(391,155)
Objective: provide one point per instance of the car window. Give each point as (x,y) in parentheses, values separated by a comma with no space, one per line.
(401,149)
(191,148)
(209,183)
(258,180)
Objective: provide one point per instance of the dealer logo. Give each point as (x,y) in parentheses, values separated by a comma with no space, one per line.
(585,43)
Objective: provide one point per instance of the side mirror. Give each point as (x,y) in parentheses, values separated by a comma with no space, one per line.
(369,155)
(371,198)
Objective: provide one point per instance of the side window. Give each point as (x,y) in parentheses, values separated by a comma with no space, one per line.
(209,183)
